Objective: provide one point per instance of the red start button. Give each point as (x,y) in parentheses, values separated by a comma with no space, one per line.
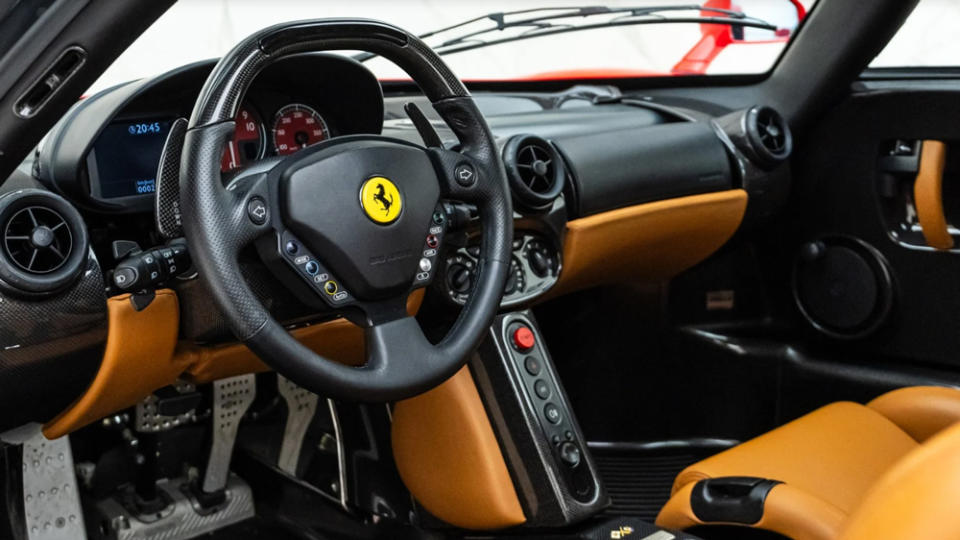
(523,339)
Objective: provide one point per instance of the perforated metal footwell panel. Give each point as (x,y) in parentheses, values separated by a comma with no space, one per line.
(301,406)
(183,518)
(51,503)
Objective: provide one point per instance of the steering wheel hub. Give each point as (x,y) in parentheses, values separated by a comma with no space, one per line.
(367,206)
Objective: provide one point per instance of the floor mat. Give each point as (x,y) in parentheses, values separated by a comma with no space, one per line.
(639,479)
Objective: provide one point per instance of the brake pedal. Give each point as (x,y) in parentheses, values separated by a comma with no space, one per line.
(231,399)
(301,406)
(51,502)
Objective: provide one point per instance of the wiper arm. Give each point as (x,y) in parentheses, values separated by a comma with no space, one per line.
(543,25)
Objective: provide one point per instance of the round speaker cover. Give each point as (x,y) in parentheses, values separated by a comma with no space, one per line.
(843,287)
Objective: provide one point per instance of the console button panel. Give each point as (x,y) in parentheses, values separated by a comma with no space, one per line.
(333,292)
(542,394)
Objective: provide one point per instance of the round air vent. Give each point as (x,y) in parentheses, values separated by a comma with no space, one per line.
(38,239)
(768,136)
(44,241)
(535,170)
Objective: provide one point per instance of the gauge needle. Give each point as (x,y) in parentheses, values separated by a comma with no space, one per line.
(233,155)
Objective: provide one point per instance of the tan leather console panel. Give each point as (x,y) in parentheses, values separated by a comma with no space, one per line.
(648,242)
(449,459)
(137,360)
(142,355)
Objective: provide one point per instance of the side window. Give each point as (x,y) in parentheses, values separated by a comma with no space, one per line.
(929,38)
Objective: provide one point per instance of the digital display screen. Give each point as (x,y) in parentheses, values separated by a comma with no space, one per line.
(127,155)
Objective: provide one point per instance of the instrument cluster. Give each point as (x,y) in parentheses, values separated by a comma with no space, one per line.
(105,153)
(293,127)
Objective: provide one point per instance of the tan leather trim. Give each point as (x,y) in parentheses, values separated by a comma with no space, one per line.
(917,498)
(142,355)
(921,411)
(836,453)
(677,513)
(136,361)
(339,340)
(787,511)
(796,514)
(928,195)
(648,242)
(449,459)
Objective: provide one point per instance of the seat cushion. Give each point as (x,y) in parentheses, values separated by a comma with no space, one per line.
(835,453)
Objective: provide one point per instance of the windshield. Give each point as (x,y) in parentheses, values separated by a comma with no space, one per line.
(653,38)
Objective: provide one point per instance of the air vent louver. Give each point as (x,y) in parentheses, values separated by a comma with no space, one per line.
(535,170)
(768,135)
(773,134)
(38,239)
(44,242)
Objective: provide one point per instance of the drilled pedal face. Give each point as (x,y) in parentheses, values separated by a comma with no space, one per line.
(301,406)
(51,502)
(183,521)
(231,399)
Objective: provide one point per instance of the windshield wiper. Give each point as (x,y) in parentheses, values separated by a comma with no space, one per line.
(545,25)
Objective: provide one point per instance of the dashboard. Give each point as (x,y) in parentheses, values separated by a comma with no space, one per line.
(591,171)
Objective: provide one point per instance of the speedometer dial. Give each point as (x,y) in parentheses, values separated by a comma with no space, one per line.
(297,126)
(248,142)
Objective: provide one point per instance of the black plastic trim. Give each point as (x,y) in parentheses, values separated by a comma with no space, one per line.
(731,499)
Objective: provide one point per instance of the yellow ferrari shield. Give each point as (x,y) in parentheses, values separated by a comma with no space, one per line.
(381,200)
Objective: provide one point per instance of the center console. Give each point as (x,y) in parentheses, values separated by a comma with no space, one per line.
(556,479)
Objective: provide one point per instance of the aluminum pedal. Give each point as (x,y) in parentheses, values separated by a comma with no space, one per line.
(231,399)
(51,502)
(184,518)
(301,406)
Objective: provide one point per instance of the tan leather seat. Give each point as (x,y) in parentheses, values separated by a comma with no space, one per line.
(826,461)
(917,498)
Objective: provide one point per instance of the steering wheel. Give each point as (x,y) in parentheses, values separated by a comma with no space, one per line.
(355,222)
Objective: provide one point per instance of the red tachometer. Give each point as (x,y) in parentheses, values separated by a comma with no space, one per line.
(248,141)
(297,126)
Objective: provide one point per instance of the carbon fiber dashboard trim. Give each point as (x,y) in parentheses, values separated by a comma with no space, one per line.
(50,348)
(221,95)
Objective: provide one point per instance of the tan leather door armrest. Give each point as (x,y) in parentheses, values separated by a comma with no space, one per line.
(928,195)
